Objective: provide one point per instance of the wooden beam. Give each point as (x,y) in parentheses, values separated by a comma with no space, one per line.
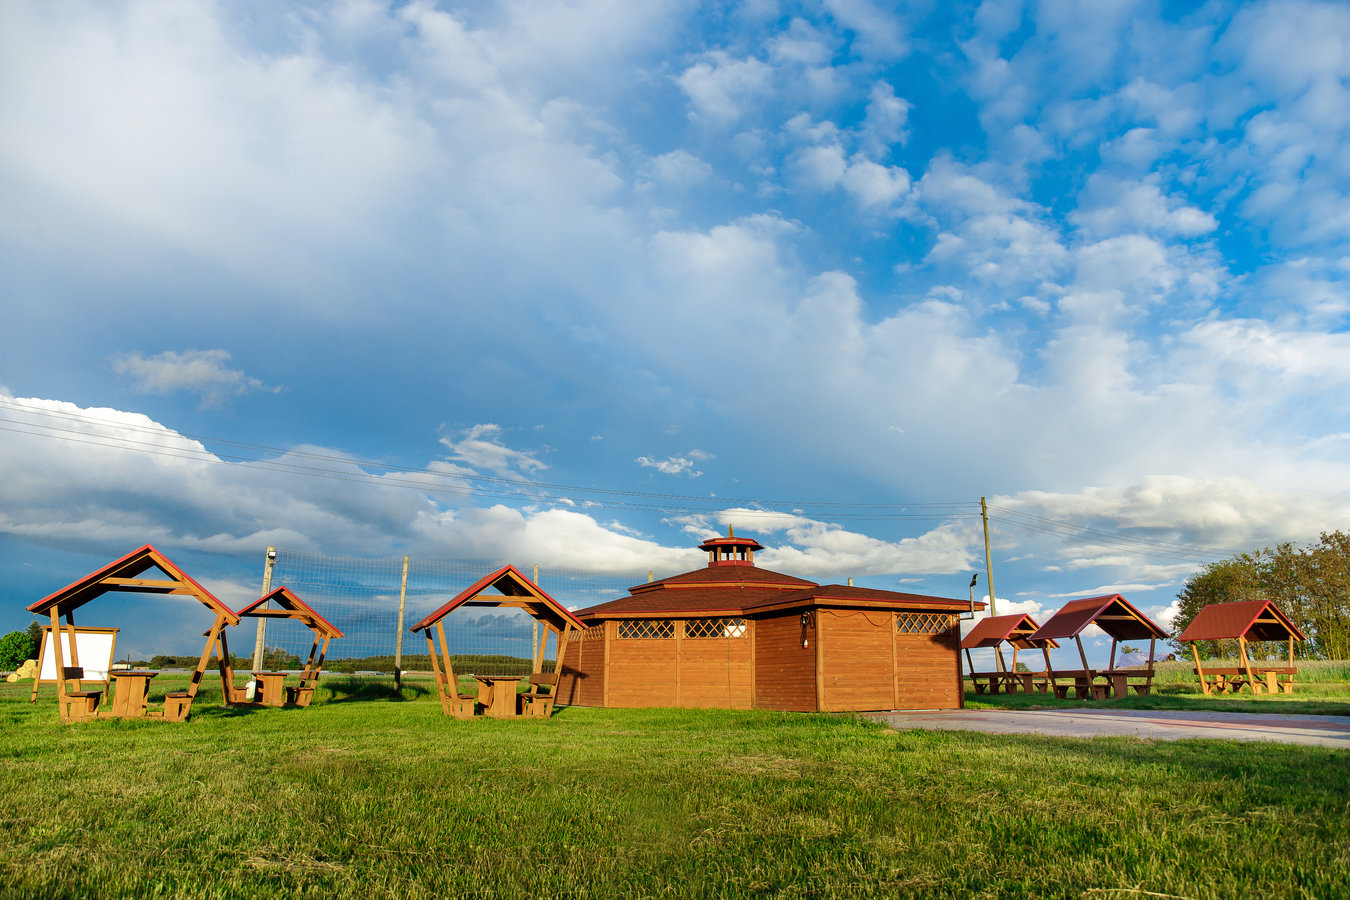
(1199,670)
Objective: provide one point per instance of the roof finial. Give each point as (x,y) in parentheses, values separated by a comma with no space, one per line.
(730,533)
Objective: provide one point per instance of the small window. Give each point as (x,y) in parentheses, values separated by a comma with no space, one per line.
(923,623)
(639,629)
(714,628)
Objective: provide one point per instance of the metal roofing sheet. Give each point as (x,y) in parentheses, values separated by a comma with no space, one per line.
(995,630)
(1111,613)
(1253,620)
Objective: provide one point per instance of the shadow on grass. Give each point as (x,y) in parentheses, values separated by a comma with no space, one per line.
(348,690)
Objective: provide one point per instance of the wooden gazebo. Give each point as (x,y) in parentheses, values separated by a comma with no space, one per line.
(1252,620)
(270,684)
(126,574)
(497,695)
(1016,630)
(1114,615)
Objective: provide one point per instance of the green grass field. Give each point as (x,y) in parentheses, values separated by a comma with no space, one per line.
(369,793)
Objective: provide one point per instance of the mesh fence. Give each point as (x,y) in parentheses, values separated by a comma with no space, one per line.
(361,597)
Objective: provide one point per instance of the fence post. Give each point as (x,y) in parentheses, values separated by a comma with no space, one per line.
(262,622)
(398,638)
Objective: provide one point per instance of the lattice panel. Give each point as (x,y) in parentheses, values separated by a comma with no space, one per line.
(637,629)
(593,633)
(714,628)
(923,623)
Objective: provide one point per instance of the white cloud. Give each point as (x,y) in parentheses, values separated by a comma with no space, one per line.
(674,465)
(720,87)
(1110,207)
(481,448)
(201,372)
(819,549)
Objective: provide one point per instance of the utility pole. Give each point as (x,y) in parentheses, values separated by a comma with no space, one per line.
(398,638)
(989,568)
(534,647)
(262,622)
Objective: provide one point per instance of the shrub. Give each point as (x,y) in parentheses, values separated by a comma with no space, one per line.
(15,648)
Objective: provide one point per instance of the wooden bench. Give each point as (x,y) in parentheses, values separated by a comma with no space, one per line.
(177,705)
(77,705)
(1081,683)
(538,700)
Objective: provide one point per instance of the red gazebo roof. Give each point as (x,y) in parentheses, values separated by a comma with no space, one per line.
(1252,620)
(292,607)
(123,575)
(518,591)
(1017,629)
(1111,613)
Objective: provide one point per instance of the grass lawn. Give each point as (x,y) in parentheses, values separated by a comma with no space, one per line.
(371,794)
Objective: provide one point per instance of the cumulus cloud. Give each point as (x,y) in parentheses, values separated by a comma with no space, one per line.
(719,87)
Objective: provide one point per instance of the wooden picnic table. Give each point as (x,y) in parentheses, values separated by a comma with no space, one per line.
(130,689)
(497,694)
(1231,679)
(271,689)
(1120,680)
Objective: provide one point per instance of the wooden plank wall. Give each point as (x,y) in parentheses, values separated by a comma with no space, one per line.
(928,670)
(856,655)
(785,671)
(582,682)
(717,672)
(642,672)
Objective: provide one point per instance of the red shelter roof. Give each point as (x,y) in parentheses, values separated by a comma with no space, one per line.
(294,608)
(1111,613)
(124,575)
(517,590)
(1016,629)
(1252,620)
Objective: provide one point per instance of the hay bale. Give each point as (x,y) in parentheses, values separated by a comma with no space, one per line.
(12,677)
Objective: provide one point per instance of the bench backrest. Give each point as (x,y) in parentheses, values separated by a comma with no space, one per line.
(544,678)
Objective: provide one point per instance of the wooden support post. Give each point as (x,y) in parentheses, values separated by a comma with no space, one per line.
(1245,662)
(541,646)
(445,656)
(225,665)
(1112,665)
(60,666)
(1049,671)
(436,670)
(309,663)
(562,649)
(1200,670)
(74,646)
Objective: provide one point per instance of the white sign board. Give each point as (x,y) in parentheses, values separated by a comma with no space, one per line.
(96,652)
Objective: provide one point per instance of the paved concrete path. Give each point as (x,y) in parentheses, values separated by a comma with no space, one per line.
(1168,725)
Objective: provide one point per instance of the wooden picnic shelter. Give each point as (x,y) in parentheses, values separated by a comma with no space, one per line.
(1015,630)
(1114,615)
(1251,620)
(496,695)
(130,686)
(269,686)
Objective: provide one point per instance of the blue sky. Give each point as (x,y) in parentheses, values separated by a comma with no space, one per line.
(794,267)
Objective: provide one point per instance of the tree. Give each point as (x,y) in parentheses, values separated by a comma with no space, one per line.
(15,649)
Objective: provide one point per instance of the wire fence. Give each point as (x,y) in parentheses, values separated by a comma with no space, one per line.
(361,597)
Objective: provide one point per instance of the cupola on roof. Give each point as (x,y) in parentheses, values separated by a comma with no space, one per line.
(731,550)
